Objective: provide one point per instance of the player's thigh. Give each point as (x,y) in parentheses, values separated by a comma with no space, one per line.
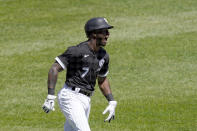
(75,113)
(77,117)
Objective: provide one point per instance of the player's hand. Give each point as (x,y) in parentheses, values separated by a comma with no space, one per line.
(111,108)
(49,103)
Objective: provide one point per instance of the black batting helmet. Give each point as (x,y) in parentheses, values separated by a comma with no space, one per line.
(96,24)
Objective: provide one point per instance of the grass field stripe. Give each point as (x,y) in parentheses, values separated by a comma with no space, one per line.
(139,27)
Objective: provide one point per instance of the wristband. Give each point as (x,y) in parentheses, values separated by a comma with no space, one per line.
(51,91)
(109,97)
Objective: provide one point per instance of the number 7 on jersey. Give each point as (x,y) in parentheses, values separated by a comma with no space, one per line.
(86,69)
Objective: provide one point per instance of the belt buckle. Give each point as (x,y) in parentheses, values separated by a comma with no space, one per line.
(77,90)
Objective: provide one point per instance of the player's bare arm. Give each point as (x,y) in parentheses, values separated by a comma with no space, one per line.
(105,89)
(52,77)
(104,86)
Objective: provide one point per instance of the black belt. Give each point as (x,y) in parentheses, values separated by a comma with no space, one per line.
(82,91)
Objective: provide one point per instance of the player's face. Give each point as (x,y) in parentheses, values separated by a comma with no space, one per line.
(101,37)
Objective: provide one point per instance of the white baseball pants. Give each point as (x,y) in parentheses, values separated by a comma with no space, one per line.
(76,109)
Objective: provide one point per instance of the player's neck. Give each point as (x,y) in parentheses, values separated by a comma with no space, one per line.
(92,44)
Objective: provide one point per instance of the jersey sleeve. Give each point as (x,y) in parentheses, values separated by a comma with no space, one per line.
(105,68)
(64,59)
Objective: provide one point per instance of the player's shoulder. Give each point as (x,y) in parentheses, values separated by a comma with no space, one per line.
(71,50)
(82,45)
(77,49)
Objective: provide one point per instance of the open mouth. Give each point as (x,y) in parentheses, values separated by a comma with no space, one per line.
(105,40)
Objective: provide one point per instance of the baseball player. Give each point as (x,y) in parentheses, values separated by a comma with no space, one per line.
(84,63)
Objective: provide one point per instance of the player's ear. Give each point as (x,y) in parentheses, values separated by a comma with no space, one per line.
(91,35)
(94,35)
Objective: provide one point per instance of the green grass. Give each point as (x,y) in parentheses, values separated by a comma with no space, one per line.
(153,67)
